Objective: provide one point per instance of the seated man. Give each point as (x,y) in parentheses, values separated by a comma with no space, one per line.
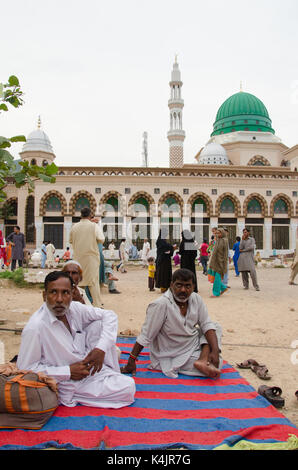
(179,333)
(75,344)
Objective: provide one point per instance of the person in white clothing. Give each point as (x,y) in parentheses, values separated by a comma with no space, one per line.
(145,252)
(75,344)
(50,249)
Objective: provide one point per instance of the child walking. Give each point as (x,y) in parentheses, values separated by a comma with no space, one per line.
(151,273)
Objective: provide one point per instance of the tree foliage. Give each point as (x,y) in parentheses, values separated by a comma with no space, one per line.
(19,173)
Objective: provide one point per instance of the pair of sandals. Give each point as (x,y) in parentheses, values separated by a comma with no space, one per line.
(272,394)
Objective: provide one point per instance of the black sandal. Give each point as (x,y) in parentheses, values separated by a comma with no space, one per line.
(273,395)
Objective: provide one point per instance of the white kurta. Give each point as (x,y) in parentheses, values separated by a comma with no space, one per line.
(145,251)
(174,339)
(48,346)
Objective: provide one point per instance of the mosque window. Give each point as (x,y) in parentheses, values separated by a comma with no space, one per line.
(257,122)
(269,193)
(156,190)
(81,203)
(227,206)
(280,207)
(185,191)
(214,191)
(68,190)
(112,204)
(33,161)
(127,190)
(294,193)
(233,123)
(141,205)
(199,205)
(245,121)
(97,190)
(53,204)
(254,207)
(45,163)
(241,192)
(258,163)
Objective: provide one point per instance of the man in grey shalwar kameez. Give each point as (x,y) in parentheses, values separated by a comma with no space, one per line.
(246,261)
(17,239)
(179,333)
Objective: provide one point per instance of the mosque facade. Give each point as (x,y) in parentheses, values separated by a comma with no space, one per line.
(244,176)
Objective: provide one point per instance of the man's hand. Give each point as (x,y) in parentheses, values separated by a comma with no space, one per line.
(79,371)
(130,367)
(76,296)
(94,360)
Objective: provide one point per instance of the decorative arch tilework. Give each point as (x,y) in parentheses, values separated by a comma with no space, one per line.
(287,200)
(76,196)
(259,158)
(260,199)
(170,194)
(233,198)
(44,200)
(205,197)
(106,197)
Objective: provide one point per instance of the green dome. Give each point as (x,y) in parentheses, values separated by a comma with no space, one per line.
(242,112)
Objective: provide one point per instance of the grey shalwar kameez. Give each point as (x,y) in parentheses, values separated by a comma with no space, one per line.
(246,262)
(175,341)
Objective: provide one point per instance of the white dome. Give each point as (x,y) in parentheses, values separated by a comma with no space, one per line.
(38,141)
(213,154)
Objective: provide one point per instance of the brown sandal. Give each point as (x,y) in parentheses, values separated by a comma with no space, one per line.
(247,364)
(261,372)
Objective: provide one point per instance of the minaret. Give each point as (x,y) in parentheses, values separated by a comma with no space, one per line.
(176,134)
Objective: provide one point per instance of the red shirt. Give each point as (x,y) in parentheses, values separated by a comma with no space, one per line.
(203,249)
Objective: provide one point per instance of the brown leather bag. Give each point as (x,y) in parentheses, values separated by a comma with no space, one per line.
(25,401)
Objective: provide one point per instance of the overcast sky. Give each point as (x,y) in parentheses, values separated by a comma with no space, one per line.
(98,71)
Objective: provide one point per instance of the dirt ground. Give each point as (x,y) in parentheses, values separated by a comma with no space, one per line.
(260,325)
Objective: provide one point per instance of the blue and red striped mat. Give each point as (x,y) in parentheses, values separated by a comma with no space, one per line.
(187,412)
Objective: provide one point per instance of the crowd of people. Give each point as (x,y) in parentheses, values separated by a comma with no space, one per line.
(72,337)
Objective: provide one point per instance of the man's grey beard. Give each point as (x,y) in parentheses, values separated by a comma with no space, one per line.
(56,314)
(182,301)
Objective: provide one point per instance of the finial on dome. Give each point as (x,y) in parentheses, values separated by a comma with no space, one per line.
(241,87)
(39,122)
(176,58)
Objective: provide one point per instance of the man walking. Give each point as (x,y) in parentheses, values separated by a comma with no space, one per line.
(17,240)
(246,262)
(84,237)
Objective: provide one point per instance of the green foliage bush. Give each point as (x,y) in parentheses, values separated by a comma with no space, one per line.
(16,276)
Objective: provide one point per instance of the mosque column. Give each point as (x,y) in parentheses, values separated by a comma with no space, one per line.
(39,231)
(155,224)
(268,237)
(67,228)
(293,234)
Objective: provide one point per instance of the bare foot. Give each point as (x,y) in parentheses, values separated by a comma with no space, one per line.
(207,368)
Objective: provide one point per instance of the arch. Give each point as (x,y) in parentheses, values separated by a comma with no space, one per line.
(297,208)
(45,163)
(287,201)
(44,200)
(107,196)
(260,199)
(10,207)
(258,160)
(139,195)
(171,195)
(205,197)
(234,199)
(76,196)
(53,204)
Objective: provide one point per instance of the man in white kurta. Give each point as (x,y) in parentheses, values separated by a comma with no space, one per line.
(84,237)
(177,330)
(63,337)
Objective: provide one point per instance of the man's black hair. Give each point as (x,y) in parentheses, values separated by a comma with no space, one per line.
(54,276)
(238,239)
(17,227)
(85,212)
(183,274)
(247,229)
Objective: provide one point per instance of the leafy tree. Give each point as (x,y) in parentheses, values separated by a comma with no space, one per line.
(19,173)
